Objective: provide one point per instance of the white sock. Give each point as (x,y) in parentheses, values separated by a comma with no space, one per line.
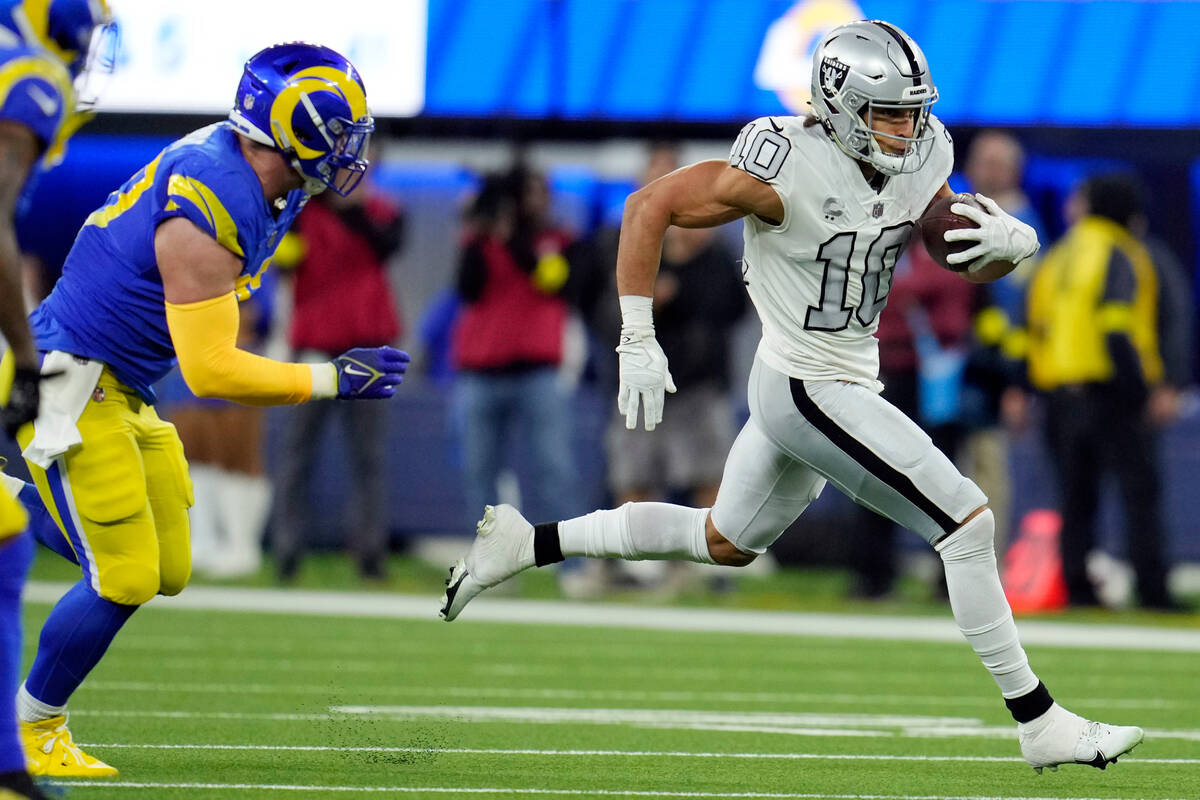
(202,517)
(979,605)
(245,503)
(30,709)
(638,532)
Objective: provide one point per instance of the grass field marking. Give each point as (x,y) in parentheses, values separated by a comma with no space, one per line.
(595,694)
(601,695)
(230,715)
(796,724)
(613,615)
(655,716)
(266,787)
(492,751)
(350,712)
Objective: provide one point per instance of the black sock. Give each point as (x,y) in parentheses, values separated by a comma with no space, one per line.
(1029,707)
(546,548)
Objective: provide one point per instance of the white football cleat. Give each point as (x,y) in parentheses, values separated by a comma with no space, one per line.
(503,547)
(1060,737)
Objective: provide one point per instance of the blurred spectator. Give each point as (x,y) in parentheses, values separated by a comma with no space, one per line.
(698,297)
(995,167)
(223,443)
(924,333)
(1176,325)
(1093,349)
(341,298)
(508,344)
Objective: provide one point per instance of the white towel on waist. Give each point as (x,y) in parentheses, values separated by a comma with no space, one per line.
(62,400)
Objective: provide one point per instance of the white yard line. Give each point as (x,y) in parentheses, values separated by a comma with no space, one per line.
(826,725)
(492,751)
(629,695)
(242,787)
(489,609)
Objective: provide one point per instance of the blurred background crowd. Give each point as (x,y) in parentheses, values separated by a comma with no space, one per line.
(484,241)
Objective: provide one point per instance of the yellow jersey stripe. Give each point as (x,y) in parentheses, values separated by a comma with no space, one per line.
(206,200)
(106,214)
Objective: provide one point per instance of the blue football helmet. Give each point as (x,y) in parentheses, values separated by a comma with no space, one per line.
(80,33)
(309,103)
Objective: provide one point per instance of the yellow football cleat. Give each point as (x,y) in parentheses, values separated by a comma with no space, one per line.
(50,751)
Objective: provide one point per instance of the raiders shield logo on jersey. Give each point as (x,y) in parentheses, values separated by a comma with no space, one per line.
(833,75)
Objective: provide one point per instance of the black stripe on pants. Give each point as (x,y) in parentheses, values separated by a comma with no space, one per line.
(865,458)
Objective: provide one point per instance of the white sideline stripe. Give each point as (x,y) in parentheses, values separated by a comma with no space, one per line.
(715,722)
(794,724)
(269,787)
(579,694)
(541,612)
(492,751)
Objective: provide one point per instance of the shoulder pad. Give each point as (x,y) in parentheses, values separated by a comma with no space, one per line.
(36,92)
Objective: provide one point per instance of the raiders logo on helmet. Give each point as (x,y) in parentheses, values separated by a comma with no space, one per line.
(833,75)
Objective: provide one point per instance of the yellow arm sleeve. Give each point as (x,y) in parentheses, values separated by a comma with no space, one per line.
(205,339)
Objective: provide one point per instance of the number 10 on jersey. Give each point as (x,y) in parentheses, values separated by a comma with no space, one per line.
(832,314)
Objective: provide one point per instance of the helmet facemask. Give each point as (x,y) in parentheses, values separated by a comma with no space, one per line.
(97,64)
(346,163)
(912,151)
(327,152)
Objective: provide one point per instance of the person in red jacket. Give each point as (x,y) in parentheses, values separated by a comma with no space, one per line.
(507,345)
(340,293)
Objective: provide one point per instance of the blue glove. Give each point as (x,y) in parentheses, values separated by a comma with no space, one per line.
(370,373)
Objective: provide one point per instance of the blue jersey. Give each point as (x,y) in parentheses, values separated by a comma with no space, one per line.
(109,303)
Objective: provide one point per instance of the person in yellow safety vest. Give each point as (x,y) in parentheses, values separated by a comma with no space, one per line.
(1093,350)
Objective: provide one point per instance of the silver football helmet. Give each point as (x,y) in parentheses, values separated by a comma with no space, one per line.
(864,66)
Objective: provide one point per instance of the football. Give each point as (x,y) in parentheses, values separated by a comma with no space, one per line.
(938,219)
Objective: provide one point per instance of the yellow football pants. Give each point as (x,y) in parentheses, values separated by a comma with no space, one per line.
(121,498)
(12,514)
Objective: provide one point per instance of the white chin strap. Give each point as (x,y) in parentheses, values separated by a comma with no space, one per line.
(887,163)
(312,186)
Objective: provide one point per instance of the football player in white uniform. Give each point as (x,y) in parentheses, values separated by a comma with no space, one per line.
(829,201)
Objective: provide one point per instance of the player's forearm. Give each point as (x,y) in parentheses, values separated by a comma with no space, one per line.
(643,226)
(13,321)
(205,339)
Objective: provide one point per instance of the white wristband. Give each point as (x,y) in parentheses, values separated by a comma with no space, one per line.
(636,311)
(324,380)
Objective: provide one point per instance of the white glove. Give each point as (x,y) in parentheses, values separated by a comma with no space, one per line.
(644,373)
(1000,236)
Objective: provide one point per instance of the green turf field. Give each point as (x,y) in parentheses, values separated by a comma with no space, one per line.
(224,704)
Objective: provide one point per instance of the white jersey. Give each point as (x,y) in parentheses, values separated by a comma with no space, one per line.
(820,278)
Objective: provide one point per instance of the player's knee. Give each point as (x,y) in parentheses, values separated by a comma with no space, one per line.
(723,551)
(975,538)
(129,584)
(172,580)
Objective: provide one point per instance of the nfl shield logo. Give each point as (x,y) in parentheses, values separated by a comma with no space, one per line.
(877,211)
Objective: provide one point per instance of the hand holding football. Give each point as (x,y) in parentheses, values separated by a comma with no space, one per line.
(938,219)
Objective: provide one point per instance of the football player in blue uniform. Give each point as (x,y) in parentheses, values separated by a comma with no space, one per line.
(44,47)
(155,276)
